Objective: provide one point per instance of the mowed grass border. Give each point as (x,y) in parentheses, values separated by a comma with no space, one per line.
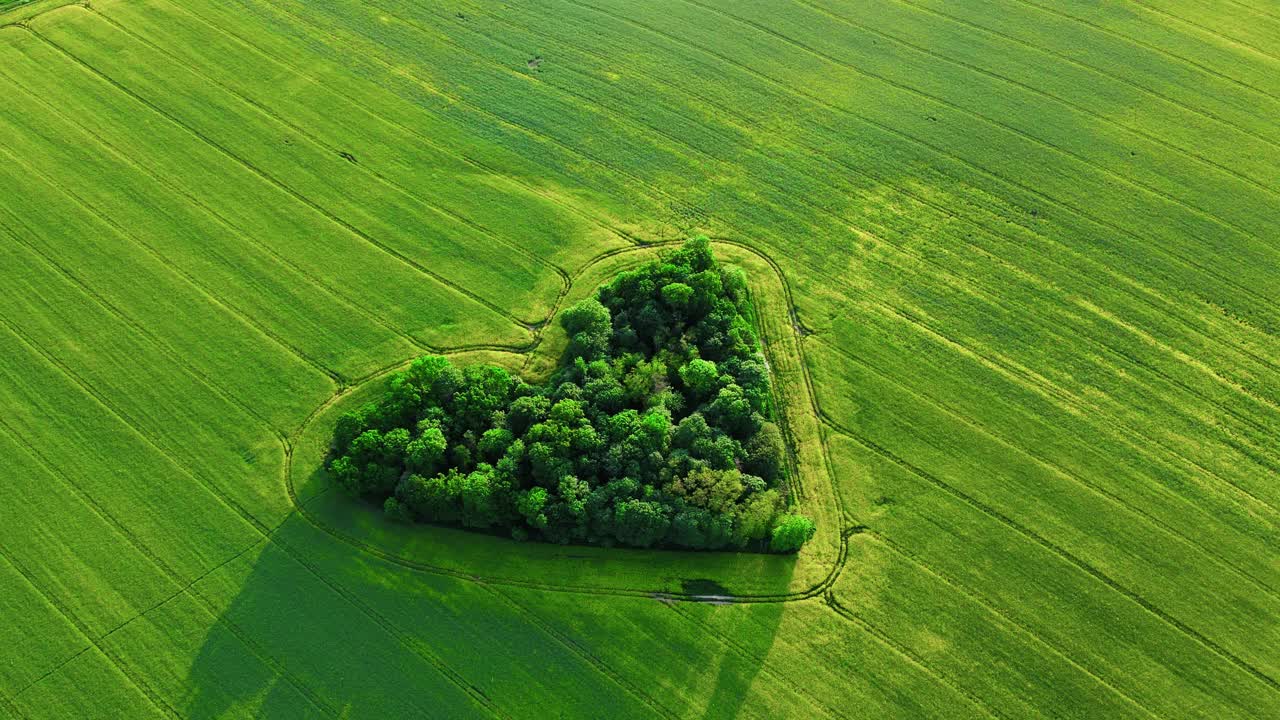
(747,577)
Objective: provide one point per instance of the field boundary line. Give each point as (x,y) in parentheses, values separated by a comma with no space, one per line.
(280,185)
(11,7)
(574,278)
(1263,11)
(1055,549)
(121,231)
(829,598)
(1257,10)
(979,116)
(319,141)
(1190,154)
(811,391)
(218,217)
(14,7)
(779,394)
(1003,616)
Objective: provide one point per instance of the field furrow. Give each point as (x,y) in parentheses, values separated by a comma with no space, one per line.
(1174,46)
(324,182)
(392,137)
(667,54)
(1031,584)
(1050,182)
(983,264)
(1087,530)
(1189,89)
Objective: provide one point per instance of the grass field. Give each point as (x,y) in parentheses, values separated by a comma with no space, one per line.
(1017,273)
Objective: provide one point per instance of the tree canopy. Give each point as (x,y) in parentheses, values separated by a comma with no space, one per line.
(655,430)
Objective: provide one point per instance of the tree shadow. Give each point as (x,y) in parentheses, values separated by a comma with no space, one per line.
(347,614)
(313,627)
(734,681)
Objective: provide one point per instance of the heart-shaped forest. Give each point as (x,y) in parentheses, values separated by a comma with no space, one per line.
(656,429)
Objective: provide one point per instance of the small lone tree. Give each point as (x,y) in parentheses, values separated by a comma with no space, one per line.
(791,532)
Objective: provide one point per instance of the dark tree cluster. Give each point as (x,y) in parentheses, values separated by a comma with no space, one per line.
(654,431)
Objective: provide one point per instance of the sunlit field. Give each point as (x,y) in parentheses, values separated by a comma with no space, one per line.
(1017,277)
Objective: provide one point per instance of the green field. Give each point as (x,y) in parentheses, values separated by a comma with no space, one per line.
(1017,273)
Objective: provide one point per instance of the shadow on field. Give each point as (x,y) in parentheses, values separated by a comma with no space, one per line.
(734,681)
(313,627)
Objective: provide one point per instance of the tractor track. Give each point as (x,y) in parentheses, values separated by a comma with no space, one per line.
(300,506)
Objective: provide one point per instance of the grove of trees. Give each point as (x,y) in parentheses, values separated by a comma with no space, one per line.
(656,429)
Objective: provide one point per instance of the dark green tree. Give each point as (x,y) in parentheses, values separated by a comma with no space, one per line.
(425,453)
(589,326)
(765,453)
(654,430)
(701,379)
(640,522)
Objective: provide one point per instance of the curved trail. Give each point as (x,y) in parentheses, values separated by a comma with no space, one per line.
(300,506)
